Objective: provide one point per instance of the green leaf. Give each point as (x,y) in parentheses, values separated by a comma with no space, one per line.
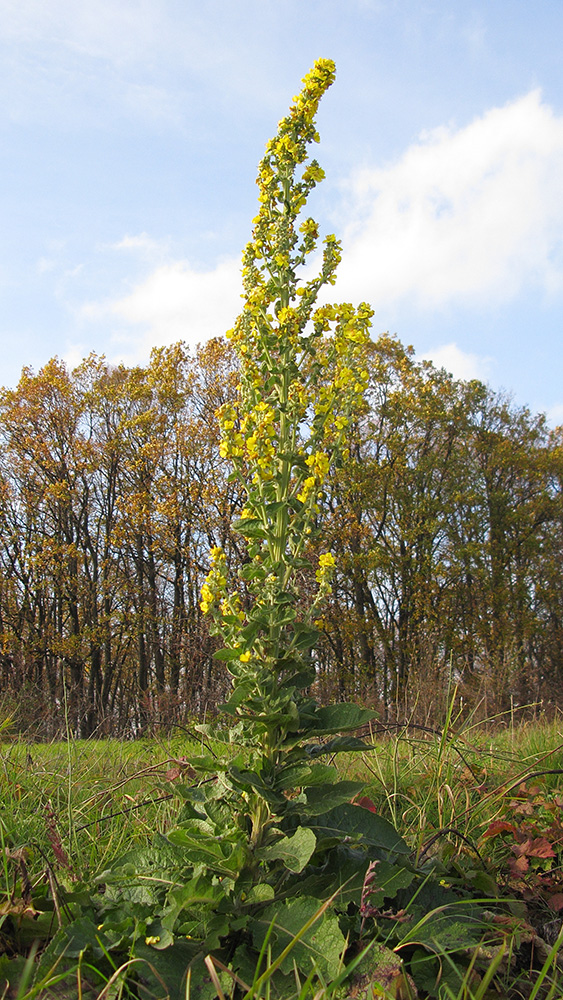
(247,780)
(260,893)
(294,851)
(361,825)
(287,617)
(227,654)
(386,881)
(341,718)
(320,799)
(303,776)
(321,947)
(339,744)
(448,929)
(273,508)
(241,523)
(342,877)
(252,571)
(301,678)
(171,965)
(304,637)
(253,529)
(221,857)
(250,631)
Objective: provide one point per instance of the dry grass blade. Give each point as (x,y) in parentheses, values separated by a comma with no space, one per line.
(214,977)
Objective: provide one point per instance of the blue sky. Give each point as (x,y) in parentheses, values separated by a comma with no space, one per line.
(130,132)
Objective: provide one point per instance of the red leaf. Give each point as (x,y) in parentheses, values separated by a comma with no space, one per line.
(540,848)
(499,826)
(522,848)
(517,866)
(365,803)
(555,902)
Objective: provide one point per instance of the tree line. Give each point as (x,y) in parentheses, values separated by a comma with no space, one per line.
(445,519)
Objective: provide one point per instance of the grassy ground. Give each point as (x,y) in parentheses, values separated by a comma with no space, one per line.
(487,803)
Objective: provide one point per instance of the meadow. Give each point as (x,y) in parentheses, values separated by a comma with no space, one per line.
(479,805)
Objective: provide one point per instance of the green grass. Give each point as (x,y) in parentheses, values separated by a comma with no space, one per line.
(422,778)
(104,796)
(91,801)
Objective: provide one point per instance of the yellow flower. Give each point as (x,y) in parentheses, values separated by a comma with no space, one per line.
(313,173)
(307,489)
(244,657)
(319,463)
(326,567)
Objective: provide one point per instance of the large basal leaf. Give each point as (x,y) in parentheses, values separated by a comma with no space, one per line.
(342,878)
(198,895)
(294,851)
(82,935)
(160,857)
(224,859)
(360,825)
(446,930)
(386,880)
(170,966)
(321,946)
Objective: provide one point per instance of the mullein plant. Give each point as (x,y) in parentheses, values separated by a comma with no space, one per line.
(272,876)
(283,435)
(280,825)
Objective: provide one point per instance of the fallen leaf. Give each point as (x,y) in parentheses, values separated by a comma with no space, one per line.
(518,866)
(499,826)
(541,848)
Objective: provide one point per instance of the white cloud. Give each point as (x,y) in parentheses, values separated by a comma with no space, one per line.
(74,355)
(461,364)
(144,245)
(114,29)
(468,216)
(97,62)
(175,302)
(555,415)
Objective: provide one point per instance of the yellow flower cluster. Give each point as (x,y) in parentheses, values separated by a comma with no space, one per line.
(326,568)
(319,464)
(213,589)
(302,379)
(259,444)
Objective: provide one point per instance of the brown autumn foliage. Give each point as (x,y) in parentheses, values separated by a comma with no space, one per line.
(446,522)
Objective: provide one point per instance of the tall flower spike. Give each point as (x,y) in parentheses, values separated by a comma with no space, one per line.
(301,381)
